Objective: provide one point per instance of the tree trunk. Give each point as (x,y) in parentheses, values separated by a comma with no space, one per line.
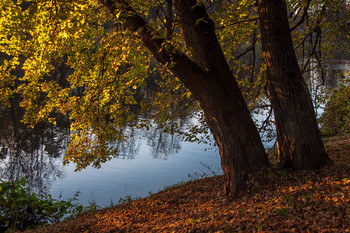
(299,140)
(211,82)
(219,96)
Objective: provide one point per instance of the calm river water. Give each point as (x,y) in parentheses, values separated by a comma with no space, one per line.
(137,177)
(150,161)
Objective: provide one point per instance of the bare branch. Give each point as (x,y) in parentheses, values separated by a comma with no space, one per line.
(302,17)
(250,48)
(238,22)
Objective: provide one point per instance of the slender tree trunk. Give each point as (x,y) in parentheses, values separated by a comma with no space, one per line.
(211,82)
(300,144)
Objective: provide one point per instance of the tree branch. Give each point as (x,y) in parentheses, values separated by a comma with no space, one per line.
(250,48)
(302,17)
(169,18)
(190,73)
(239,22)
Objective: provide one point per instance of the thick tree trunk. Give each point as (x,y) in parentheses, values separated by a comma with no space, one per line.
(300,144)
(211,82)
(226,112)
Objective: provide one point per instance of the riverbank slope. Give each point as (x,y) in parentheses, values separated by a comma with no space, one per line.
(276,201)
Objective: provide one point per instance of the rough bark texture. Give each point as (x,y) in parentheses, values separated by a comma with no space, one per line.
(211,82)
(300,144)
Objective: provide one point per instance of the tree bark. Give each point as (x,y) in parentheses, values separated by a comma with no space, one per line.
(299,140)
(211,82)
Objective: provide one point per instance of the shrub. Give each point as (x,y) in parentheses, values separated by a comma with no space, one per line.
(21,208)
(336,117)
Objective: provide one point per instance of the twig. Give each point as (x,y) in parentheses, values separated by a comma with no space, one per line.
(238,22)
(302,17)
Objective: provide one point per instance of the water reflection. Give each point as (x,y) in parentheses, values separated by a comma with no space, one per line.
(162,142)
(36,154)
(333,69)
(322,78)
(32,153)
(325,75)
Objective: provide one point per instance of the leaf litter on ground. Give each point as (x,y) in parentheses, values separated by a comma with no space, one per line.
(275,201)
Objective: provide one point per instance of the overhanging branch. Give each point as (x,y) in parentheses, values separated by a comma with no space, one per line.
(190,73)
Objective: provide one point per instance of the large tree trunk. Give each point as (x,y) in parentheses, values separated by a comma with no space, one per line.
(226,112)
(300,144)
(211,82)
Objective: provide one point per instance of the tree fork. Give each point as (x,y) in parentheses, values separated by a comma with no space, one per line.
(211,82)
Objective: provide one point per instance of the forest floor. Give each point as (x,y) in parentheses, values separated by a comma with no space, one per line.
(276,201)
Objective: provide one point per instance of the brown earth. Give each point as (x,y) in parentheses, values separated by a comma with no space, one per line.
(276,201)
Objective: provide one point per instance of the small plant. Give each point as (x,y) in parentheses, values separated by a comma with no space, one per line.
(336,117)
(21,208)
(271,174)
(306,197)
(281,211)
(283,173)
(290,200)
(91,207)
(112,203)
(260,227)
(203,174)
(127,199)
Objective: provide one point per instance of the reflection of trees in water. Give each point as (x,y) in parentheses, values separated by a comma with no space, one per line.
(319,75)
(162,140)
(323,77)
(163,143)
(131,145)
(31,153)
(333,69)
(36,153)
(163,137)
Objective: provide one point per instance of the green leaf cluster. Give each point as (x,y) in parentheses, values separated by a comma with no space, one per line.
(336,117)
(20,208)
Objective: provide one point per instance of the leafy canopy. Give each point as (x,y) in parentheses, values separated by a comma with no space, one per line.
(75,58)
